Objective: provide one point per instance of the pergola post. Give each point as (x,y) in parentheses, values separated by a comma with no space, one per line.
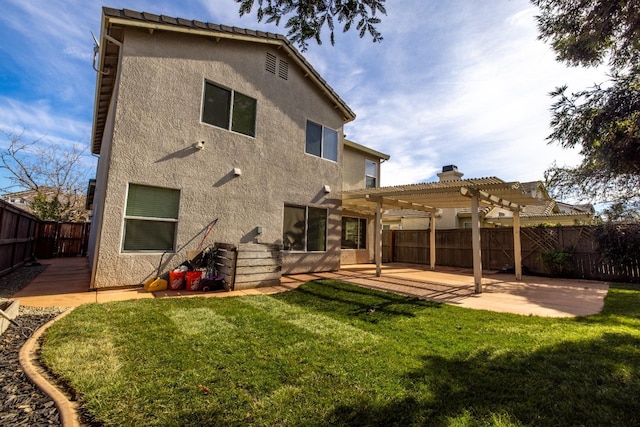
(432,241)
(378,239)
(475,244)
(517,248)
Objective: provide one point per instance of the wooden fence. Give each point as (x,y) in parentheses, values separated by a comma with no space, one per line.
(18,231)
(62,239)
(23,235)
(453,248)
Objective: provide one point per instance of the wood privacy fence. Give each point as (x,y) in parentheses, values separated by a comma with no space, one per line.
(62,239)
(23,235)
(18,231)
(453,248)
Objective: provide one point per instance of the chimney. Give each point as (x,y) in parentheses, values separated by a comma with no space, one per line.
(450,173)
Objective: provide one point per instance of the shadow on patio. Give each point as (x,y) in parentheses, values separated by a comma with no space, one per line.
(540,296)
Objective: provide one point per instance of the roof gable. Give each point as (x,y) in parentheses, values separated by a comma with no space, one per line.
(113,20)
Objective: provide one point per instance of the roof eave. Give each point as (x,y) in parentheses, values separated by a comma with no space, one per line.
(96,146)
(366,150)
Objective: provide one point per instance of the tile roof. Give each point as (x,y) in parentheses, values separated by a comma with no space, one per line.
(188,23)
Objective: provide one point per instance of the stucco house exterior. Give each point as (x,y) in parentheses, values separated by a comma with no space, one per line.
(361,169)
(195,121)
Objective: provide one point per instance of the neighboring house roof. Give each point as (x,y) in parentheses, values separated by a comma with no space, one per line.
(112,35)
(29,194)
(536,188)
(26,197)
(582,208)
(366,150)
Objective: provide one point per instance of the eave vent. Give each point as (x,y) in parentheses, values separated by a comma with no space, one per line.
(283,70)
(270,64)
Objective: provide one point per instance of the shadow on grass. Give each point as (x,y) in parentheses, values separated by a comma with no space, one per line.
(590,383)
(334,297)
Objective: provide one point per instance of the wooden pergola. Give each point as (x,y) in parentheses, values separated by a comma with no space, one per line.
(428,197)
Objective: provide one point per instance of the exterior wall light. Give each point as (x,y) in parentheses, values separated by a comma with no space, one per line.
(237,171)
(327,189)
(199,145)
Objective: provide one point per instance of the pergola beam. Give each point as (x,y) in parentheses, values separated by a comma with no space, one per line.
(408,205)
(490,198)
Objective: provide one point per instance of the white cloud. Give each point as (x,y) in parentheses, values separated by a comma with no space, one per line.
(482,103)
(452,82)
(38,119)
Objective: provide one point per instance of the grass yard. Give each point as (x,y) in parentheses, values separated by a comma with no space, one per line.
(335,354)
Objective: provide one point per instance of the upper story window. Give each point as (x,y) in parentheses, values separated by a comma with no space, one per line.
(228,109)
(321,141)
(370,174)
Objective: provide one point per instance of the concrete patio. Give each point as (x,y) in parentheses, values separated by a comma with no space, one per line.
(533,295)
(65,283)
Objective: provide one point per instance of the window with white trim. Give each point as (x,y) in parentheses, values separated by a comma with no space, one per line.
(370,174)
(304,229)
(151,218)
(321,141)
(354,233)
(228,109)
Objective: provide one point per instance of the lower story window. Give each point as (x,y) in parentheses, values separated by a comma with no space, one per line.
(304,229)
(354,233)
(150,220)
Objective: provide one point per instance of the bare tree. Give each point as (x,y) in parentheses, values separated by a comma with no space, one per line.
(53,176)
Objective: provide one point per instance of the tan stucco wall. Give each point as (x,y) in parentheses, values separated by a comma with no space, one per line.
(447,219)
(354,179)
(354,168)
(157,120)
(355,256)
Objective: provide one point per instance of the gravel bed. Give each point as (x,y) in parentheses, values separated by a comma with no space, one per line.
(18,279)
(21,402)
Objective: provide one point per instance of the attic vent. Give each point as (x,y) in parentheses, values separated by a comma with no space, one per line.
(270,65)
(283,70)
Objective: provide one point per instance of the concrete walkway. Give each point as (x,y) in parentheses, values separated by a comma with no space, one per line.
(65,283)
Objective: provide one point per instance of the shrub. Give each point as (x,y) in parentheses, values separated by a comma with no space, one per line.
(557,262)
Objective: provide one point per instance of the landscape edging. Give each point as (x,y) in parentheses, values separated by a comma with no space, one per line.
(36,373)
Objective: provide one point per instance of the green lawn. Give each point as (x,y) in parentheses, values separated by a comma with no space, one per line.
(334,354)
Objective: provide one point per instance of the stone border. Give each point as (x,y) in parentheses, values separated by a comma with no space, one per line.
(38,375)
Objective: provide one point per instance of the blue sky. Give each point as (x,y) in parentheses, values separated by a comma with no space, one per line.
(453,82)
